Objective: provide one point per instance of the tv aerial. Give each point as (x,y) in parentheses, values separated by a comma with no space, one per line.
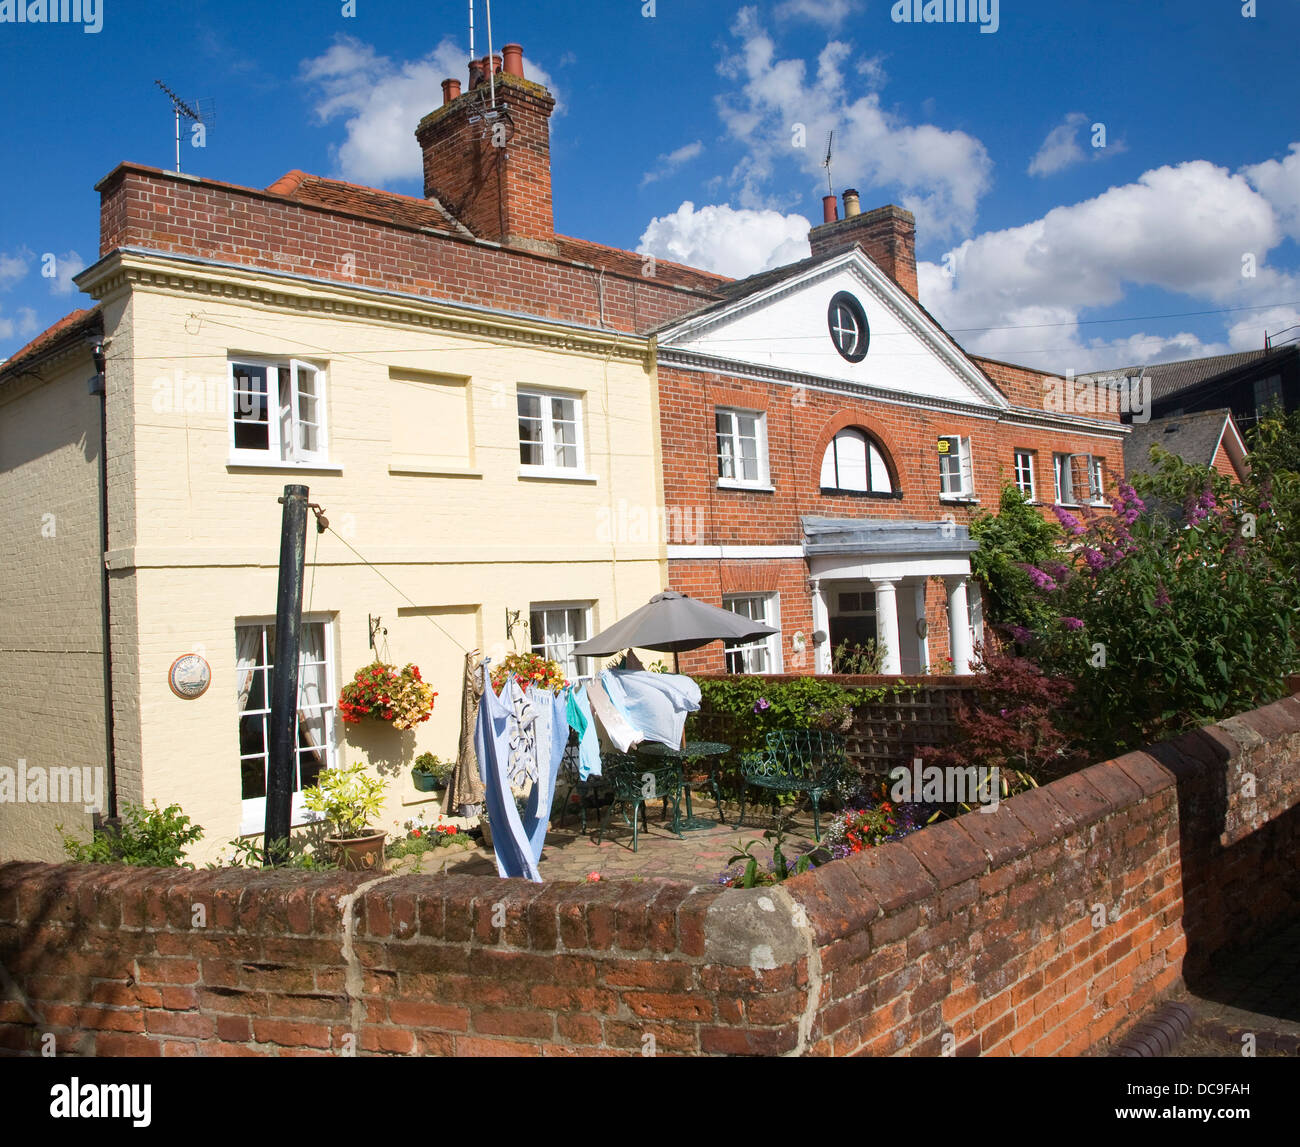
(203,112)
(826,163)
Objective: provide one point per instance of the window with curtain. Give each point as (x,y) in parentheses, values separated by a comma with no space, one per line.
(854,463)
(554,628)
(313,727)
(762,654)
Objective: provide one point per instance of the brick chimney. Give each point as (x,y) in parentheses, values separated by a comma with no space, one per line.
(887,235)
(492,167)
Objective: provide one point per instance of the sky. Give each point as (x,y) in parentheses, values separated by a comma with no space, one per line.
(1096,184)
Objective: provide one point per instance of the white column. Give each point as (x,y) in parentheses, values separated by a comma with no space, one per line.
(887,624)
(922,643)
(958,624)
(821,624)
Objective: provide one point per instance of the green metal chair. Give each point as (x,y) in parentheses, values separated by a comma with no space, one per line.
(637,780)
(809,761)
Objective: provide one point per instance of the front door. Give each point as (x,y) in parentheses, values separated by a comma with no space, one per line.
(852,625)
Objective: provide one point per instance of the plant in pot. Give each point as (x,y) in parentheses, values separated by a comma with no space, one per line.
(431,773)
(350,799)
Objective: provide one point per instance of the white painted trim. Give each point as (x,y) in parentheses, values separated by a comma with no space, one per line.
(709,553)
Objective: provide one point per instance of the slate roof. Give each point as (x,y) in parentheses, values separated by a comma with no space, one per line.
(1193,437)
(1170,378)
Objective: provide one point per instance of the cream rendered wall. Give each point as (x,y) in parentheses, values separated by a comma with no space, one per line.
(463,549)
(51,637)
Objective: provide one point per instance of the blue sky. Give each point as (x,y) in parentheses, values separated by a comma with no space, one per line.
(675,133)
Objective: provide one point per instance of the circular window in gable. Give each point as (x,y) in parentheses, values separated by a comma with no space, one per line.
(848,327)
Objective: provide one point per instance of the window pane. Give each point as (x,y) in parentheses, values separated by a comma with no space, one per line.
(252,429)
(726,447)
(851,455)
(879,471)
(530,430)
(252,778)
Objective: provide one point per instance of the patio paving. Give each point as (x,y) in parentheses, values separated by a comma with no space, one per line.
(571,854)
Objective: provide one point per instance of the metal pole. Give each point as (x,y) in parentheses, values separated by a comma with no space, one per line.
(281,763)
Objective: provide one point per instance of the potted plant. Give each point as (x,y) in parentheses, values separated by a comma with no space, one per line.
(385,693)
(350,799)
(430,773)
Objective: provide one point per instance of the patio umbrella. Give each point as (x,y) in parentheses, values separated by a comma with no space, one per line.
(672,622)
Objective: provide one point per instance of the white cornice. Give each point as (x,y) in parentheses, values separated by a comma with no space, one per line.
(130,269)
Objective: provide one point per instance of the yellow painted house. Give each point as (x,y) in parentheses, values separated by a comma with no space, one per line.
(465,393)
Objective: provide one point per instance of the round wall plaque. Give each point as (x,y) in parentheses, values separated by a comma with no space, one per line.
(189,676)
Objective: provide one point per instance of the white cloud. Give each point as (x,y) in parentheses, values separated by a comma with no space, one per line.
(1279,183)
(381,100)
(1018,293)
(1061,147)
(725,240)
(829,13)
(66,266)
(939,175)
(666,165)
(13,267)
(24,326)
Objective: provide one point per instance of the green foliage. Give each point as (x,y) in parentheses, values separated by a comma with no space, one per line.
(1165,624)
(753,875)
(148,838)
(431,766)
(247,852)
(1016,537)
(857,659)
(350,798)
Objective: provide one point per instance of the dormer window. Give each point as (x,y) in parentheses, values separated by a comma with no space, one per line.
(853,463)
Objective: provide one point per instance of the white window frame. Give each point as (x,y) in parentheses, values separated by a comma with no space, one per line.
(1093,467)
(769,646)
(252,818)
(549,469)
(284,424)
(872,453)
(1096,480)
(965,469)
(1028,456)
(763,479)
(573,666)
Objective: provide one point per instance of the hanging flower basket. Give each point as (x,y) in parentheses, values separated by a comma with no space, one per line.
(529,669)
(385,693)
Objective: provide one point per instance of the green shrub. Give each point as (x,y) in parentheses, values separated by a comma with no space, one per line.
(148,838)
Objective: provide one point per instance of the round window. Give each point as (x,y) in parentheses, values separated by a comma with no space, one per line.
(848,327)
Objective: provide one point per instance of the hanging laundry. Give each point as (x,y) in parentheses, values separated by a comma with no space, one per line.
(618,732)
(465,788)
(654,703)
(519,739)
(581,721)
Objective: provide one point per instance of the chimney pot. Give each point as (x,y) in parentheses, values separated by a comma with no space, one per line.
(493,62)
(476,74)
(852,205)
(514,60)
(830,209)
(450,90)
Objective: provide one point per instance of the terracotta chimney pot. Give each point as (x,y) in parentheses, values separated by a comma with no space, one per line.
(450,90)
(830,208)
(514,60)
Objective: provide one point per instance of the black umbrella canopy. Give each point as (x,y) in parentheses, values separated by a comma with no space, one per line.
(672,623)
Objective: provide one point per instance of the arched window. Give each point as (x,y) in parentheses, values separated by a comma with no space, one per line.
(853,462)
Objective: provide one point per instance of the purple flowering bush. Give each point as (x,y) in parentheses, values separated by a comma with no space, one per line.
(1166,621)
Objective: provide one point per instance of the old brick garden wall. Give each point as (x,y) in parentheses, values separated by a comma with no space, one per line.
(1045,928)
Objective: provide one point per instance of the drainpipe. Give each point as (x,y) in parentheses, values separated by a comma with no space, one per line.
(98,387)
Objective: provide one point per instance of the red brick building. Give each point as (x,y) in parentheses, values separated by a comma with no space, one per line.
(828,443)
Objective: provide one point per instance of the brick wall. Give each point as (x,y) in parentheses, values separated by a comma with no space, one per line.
(1045,928)
(144,207)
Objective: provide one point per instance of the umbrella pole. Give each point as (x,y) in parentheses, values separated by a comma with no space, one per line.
(675,661)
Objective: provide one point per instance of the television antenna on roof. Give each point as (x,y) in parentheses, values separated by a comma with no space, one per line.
(202,112)
(826,163)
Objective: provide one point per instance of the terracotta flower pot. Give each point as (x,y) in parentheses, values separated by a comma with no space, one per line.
(360,853)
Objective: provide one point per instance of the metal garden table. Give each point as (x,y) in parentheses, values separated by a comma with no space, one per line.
(692,751)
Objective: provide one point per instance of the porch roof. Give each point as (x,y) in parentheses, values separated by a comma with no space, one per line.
(881,537)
